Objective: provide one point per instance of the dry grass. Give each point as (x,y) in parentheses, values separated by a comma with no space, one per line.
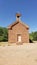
(3,43)
(25,54)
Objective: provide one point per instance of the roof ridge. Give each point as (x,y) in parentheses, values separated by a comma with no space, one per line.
(17,22)
(24,23)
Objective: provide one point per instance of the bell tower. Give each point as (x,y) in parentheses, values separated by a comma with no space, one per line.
(18,15)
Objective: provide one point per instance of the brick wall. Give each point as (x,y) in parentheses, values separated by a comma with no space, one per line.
(18,29)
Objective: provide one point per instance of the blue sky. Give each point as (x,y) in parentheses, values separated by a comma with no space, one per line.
(28,9)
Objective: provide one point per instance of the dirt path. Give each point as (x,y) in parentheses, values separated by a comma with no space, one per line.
(18,54)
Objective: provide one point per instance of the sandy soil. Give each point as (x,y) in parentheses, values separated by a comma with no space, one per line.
(25,54)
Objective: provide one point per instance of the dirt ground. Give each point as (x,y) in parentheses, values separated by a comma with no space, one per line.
(25,54)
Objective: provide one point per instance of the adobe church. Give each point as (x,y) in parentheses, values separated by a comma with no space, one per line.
(18,32)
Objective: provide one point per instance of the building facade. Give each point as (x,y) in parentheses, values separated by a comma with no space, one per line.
(18,32)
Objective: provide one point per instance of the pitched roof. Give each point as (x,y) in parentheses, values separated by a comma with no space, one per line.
(11,25)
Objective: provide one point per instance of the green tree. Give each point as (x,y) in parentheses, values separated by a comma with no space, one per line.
(33,36)
(1,31)
(3,34)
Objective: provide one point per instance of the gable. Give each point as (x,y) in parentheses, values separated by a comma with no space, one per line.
(15,23)
(18,29)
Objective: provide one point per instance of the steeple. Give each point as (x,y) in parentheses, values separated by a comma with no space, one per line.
(18,15)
